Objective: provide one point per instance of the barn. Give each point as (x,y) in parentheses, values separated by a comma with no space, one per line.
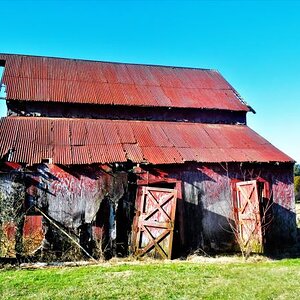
(113,159)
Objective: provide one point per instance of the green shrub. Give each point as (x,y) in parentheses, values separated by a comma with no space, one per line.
(297,187)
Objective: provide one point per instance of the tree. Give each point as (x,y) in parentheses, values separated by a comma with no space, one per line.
(297,170)
(297,182)
(297,188)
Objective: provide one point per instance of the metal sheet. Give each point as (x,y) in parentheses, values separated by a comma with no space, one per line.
(33,234)
(33,78)
(153,154)
(133,152)
(125,133)
(84,141)
(61,155)
(78,133)
(142,134)
(81,155)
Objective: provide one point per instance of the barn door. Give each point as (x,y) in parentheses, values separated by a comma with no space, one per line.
(248,216)
(154,222)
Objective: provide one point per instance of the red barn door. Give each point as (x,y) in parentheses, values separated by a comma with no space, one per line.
(248,215)
(154,222)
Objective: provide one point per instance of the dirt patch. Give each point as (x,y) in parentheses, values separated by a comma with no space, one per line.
(121,274)
(144,261)
(226,259)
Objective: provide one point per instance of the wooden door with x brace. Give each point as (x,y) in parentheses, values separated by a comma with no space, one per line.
(252,206)
(154,222)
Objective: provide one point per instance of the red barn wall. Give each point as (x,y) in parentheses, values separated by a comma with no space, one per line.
(206,208)
(95,205)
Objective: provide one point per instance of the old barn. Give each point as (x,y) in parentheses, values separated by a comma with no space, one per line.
(125,158)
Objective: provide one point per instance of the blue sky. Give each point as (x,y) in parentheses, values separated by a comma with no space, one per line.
(254,44)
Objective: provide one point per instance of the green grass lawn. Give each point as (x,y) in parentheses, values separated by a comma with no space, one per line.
(157,280)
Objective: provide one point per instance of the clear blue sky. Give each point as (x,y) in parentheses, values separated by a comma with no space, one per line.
(254,44)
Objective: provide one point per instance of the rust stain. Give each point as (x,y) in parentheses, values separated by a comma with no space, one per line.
(33,234)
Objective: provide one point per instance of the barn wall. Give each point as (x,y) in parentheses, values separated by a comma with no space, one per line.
(283,230)
(12,193)
(85,201)
(204,214)
(73,195)
(94,204)
(207,203)
(207,196)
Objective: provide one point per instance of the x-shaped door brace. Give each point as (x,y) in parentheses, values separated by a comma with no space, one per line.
(148,227)
(242,209)
(158,206)
(251,233)
(154,242)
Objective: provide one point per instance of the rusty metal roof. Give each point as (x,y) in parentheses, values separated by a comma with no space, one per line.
(34,78)
(86,141)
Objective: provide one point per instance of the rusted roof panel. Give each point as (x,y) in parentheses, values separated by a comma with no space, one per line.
(61,155)
(110,133)
(81,155)
(125,133)
(61,132)
(133,152)
(112,153)
(188,154)
(142,134)
(172,155)
(26,142)
(85,141)
(7,127)
(78,138)
(33,78)
(155,155)
(158,136)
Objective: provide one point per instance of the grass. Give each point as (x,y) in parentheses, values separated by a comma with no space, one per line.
(157,280)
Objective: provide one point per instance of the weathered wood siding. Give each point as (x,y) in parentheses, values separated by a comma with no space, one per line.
(207,208)
(83,200)
(12,193)
(95,205)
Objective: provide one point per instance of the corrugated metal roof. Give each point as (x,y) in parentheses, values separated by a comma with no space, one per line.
(85,141)
(33,78)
